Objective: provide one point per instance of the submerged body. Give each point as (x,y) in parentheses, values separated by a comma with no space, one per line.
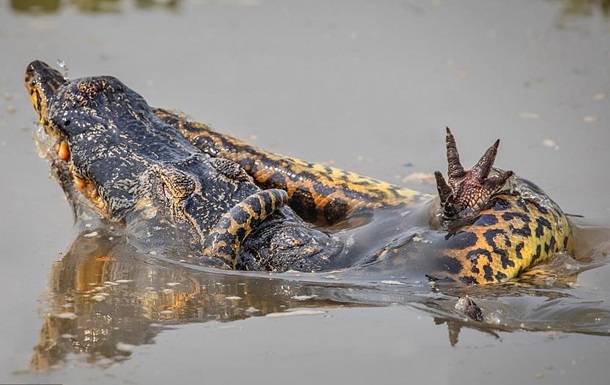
(155,170)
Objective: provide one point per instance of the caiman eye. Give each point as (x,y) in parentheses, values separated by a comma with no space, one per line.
(176,184)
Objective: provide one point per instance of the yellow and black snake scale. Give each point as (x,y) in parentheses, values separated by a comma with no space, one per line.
(514,232)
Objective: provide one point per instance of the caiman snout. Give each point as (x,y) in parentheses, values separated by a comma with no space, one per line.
(42,82)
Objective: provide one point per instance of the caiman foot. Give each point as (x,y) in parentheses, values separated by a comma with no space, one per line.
(468,190)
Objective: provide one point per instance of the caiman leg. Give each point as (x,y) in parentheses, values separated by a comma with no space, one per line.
(468,190)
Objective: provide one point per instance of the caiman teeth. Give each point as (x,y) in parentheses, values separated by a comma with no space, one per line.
(63,152)
(88,189)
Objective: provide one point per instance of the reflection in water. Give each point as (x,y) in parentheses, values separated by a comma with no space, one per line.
(106,298)
(87,6)
(571,8)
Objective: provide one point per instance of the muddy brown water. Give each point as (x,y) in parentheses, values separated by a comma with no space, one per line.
(366,86)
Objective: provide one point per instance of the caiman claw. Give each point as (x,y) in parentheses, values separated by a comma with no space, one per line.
(468,190)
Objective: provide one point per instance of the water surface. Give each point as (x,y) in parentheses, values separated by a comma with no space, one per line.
(360,85)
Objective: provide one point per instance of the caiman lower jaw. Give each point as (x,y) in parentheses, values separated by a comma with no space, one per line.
(89,190)
(57,151)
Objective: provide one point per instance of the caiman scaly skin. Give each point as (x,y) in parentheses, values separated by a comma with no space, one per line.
(135,163)
(136,169)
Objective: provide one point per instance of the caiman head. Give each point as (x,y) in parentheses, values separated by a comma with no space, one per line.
(132,168)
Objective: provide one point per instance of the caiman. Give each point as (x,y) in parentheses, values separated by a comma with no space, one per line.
(172,180)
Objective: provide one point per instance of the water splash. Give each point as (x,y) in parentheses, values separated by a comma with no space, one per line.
(61,63)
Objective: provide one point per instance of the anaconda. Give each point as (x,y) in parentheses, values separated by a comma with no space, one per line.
(157,169)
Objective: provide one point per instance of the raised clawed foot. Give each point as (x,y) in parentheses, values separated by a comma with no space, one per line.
(468,190)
